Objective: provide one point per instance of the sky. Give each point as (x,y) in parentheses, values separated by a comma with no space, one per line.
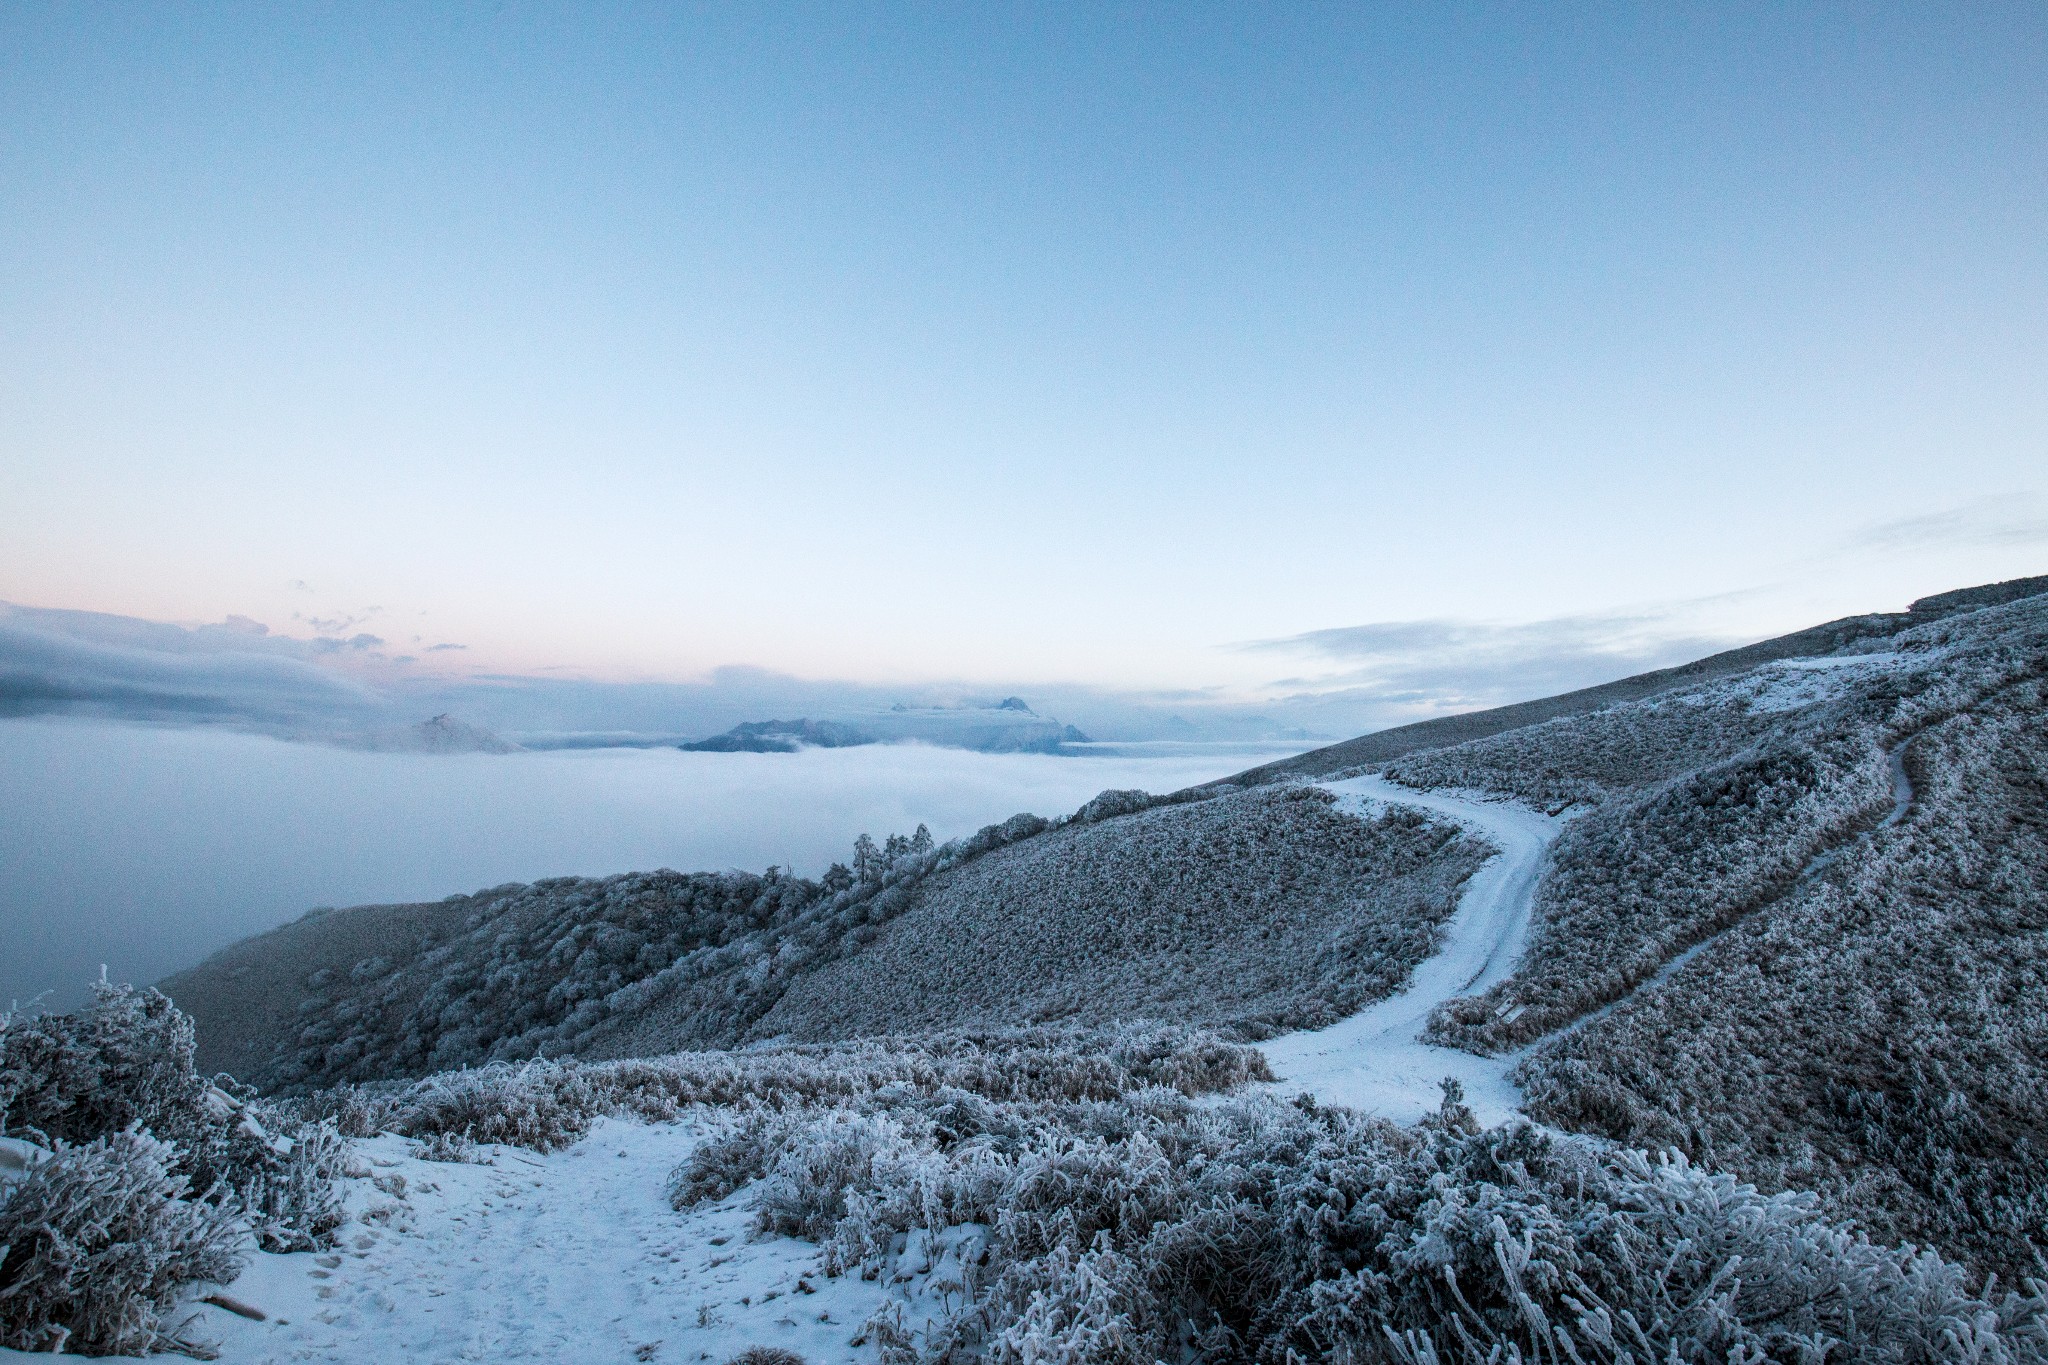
(1197,352)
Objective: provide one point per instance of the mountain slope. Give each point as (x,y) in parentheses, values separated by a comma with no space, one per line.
(1800,929)
(1260,911)
(1214,907)
(1796,925)
(1383,746)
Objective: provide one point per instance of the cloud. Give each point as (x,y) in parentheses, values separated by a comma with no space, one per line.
(335,625)
(1427,667)
(330,644)
(1351,679)
(2018,520)
(91,663)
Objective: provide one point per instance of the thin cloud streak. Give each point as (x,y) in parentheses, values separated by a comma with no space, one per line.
(1985,523)
(1412,669)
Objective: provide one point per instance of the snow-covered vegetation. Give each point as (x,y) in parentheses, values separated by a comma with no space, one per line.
(1257,912)
(136,1176)
(564,965)
(1151,1228)
(1878,1034)
(545,1105)
(1817,958)
(1253,910)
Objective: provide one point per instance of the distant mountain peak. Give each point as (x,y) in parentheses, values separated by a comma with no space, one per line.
(1013,704)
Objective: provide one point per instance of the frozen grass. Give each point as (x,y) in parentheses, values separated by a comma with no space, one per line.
(1255,912)
(1150,1228)
(546,1105)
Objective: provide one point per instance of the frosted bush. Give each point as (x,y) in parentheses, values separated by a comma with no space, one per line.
(805,1192)
(293,1202)
(546,1105)
(97,1240)
(738,1153)
(766,1355)
(125,1063)
(1149,1228)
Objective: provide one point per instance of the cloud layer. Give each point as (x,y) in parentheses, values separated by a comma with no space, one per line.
(2010,521)
(96,664)
(1436,666)
(1333,683)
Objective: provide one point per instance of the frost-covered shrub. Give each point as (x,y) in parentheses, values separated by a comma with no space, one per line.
(547,1105)
(125,1059)
(766,1355)
(97,1240)
(293,1202)
(354,1111)
(737,1154)
(1150,1228)
(124,1063)
(453,1148)
(805,1192)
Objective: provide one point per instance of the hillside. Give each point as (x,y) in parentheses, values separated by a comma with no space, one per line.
(1259,912)
(1793,925)
(1841,636)
(1217,909)
(1805,925)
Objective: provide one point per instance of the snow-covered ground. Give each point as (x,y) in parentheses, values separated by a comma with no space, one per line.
(1373,1059)
(578,1257)
(573,1257)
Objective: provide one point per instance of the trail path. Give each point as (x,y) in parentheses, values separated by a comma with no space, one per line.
(1373,1059)
(574,1256)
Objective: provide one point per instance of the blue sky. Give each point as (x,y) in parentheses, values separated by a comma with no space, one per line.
(1100,346)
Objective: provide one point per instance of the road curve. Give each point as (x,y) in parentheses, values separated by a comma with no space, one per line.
(1373,1060)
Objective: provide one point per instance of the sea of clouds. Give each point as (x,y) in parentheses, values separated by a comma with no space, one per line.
(149,847)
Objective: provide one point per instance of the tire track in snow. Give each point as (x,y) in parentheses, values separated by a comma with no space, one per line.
(1374,1060)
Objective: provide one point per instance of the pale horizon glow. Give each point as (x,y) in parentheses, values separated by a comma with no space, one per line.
(1027,347)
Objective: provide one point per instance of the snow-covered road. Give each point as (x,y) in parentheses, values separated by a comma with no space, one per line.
(1373,1059)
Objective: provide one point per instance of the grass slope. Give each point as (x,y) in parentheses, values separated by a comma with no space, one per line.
(1260,911)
